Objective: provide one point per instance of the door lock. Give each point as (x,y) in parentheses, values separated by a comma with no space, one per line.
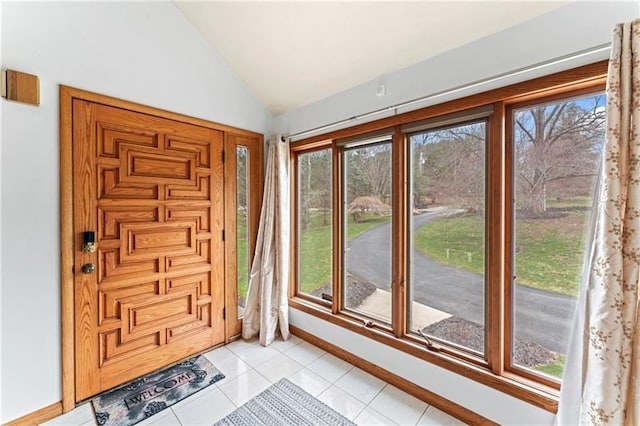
(88,268)
(88,241)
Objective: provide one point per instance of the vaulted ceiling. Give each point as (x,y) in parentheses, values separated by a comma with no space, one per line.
(293,53)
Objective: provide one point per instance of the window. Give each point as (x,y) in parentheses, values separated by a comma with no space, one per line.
(557,147)
(457,232)
(242,224)
(315,224)
(446,233)
(367,229)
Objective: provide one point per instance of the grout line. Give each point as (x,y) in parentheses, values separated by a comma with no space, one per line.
(379,392)
(359,412)
(423,413)
(176,414)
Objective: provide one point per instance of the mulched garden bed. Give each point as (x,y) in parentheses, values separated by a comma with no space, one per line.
(358,289)
(471,335)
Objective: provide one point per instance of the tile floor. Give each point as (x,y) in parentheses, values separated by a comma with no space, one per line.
(250,368)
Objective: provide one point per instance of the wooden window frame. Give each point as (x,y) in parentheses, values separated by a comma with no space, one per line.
(496,371)
(450,347)
(295,258)
(370,321)
(509,233)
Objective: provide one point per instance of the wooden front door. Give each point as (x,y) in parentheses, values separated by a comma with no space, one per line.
(152,191)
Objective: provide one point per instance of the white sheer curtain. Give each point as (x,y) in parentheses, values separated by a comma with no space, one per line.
(267,308)
(600,384)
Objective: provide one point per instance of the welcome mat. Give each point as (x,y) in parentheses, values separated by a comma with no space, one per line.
(148,395)
(284,404)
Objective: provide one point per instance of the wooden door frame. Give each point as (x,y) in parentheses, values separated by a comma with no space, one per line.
(67,95)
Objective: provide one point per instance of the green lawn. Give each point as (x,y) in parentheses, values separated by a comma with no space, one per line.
(570,202)
(243,260)
(553,369)
(455,241)
(315,248)
(548,251)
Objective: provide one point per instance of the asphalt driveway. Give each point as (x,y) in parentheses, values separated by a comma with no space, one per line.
(541,316)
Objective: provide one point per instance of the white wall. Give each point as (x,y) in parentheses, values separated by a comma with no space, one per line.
(571,28)
(144,52)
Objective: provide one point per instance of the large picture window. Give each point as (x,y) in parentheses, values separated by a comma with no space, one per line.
(457,233)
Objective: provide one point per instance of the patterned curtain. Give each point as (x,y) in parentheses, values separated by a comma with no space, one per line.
(601,384)
(267,308)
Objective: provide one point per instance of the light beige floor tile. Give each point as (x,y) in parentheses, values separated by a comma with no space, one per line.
(399,406)
(241,345)
(283,346)
(433,416)
(278,367)
(305,353)
(231,367)
(244,387)
(370,417)
(309,381)
(360,384)
(345,404)
(164,418)
(188,400)
(257,354)
(205,410)
(219,355)
(330,367)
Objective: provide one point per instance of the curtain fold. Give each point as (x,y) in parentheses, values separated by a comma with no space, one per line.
(267,309)
(600,384)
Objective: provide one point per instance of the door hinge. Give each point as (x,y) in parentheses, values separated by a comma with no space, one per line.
(223,235)
(223,156)
(224,313)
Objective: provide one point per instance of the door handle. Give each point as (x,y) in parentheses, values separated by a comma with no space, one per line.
(88,268)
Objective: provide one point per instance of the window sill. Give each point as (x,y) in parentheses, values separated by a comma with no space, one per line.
(526,390)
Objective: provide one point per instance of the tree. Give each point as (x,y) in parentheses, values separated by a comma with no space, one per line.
(242,194)
(314,185)
(449,165)
(559,142)
(362,205)
(369,172)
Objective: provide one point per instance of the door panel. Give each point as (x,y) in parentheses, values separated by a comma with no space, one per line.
(152,190)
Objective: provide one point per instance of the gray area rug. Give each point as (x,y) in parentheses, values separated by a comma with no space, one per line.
(284,404)
(150,394)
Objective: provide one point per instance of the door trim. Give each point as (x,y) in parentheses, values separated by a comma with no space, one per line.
(67,95)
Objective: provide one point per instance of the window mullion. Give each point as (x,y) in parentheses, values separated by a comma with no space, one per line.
(495,241)
(399,231)
(338,229)
(508,212)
